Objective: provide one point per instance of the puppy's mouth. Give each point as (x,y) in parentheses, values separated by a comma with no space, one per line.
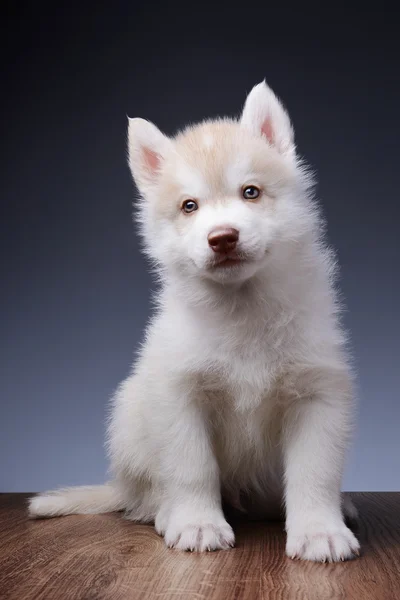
(227,261)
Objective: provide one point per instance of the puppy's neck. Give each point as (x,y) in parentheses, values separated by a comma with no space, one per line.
(208,296)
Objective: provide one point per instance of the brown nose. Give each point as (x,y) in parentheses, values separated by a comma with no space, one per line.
(223,239)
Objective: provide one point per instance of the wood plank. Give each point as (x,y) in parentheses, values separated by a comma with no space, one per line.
(106,557)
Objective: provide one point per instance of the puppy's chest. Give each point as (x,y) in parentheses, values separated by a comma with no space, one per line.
(246,440)
(245,375)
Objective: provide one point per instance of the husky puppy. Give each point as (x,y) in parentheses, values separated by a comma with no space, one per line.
(242,393)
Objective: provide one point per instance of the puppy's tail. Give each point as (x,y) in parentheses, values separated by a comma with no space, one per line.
(76,500)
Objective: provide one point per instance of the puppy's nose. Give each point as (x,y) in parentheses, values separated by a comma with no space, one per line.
(223,239)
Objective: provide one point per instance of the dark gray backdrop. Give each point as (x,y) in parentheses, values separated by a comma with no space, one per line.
(74,288)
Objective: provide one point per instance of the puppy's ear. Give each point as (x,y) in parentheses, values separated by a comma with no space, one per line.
(263,114)
(147,149)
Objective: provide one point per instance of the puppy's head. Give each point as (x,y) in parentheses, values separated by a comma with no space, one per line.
(220,198)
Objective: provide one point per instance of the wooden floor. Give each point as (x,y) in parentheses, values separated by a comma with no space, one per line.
(106,557)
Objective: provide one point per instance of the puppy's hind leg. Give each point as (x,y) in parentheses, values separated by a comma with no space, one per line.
(350,512)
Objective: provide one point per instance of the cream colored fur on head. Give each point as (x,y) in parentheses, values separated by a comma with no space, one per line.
(242,390)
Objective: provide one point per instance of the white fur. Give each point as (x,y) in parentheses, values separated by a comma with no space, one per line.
(208,140)
(242,389)
(238,173)
(262,107)
(190,180)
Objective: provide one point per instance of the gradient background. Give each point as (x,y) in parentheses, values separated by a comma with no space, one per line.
(74,288)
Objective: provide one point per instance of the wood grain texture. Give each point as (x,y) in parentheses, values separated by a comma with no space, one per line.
(106,557)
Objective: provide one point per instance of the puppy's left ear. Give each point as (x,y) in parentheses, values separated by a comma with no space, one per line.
(148,148)
(263,114)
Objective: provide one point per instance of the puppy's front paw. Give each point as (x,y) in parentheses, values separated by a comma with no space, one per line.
(322,542)
(198,532)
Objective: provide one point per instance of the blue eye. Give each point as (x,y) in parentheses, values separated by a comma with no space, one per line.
(250,192)
(189,206)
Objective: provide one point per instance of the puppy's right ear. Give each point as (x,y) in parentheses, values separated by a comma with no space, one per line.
(263,114)
(147,149)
